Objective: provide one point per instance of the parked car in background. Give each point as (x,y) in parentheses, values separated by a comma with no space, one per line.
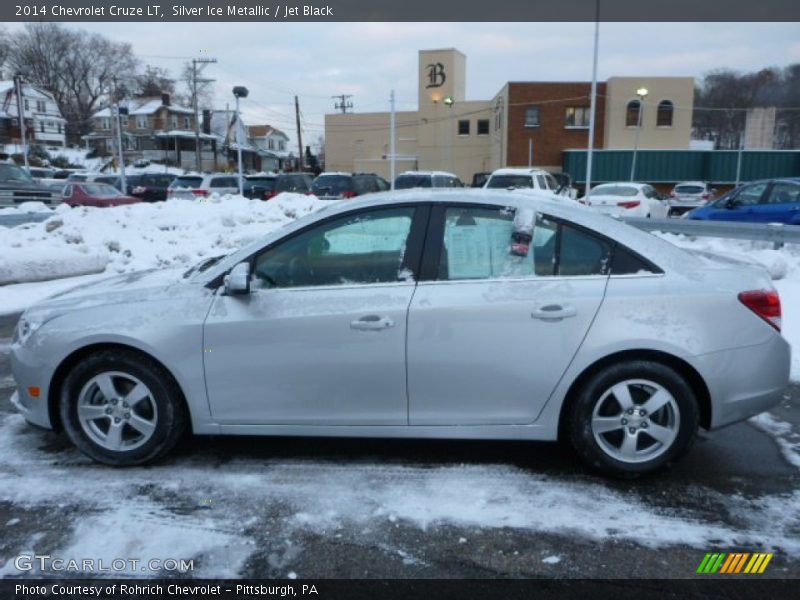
(335,326)
(479,179)
(90,193)
(426,179)
(626,199)
(295,183)
(259,185)
(149,187)
(765,201)
(537,179)
(201,185)
(41,173)
(565,187)
(17,186)
(98,176)
(336,186)
(688,195)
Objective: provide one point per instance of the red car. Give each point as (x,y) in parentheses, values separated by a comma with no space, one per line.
(87,193)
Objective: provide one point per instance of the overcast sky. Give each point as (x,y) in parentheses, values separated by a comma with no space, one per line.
(367,60)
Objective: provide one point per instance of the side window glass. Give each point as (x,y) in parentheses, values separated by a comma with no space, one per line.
(356,249)
(542,184)
(750,195)
(784,192)
(483,243)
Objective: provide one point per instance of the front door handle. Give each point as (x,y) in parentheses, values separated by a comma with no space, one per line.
(371,323)
(554,312)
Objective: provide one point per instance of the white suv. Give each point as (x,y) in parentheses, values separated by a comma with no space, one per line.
(200,185)
(536,179)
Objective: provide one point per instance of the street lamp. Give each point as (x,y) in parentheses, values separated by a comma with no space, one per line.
(642,93)
(239,92)
(448,101)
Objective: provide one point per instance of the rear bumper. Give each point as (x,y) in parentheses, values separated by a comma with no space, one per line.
(745,381)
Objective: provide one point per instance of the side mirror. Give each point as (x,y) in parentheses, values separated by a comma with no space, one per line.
(237,282)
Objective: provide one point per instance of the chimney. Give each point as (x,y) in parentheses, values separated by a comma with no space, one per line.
(206,121)
(165,99)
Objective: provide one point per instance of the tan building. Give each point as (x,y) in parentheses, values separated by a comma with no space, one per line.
(526,123)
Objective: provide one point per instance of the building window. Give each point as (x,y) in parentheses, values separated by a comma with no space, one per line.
(281,145)
(173,122)
(463,127)
(41,126)
(41,106)
(124,121)
(105,123)
(141,122)
(271,144)
(632,113)
(60,130)
(577,116)
(532,116)
(664,113)
(27,107)
(186,124)
(483,126)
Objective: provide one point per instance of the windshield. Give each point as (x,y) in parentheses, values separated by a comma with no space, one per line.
(101,190)
(186,182)
(510,181)
(688,189)
(13,173)
(404,182)
(204,265)
(332,185)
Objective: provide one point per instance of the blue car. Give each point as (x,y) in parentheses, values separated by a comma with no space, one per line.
(765,201)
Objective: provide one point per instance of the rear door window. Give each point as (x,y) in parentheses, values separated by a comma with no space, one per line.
(784,192)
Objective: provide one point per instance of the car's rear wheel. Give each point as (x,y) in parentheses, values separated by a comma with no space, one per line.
(633,417)
(122,408)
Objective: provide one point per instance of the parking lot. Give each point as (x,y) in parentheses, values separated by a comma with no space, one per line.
(396,508)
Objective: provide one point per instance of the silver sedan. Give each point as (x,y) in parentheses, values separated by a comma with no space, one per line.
(460,314)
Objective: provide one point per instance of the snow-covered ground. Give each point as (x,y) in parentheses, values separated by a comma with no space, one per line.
(77,241)
(193,507)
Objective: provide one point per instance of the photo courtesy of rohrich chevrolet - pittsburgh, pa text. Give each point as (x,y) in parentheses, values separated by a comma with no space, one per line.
(380,300)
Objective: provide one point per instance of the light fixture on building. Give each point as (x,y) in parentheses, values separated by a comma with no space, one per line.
(448,101)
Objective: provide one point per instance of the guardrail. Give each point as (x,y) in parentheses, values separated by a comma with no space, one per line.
(777,233)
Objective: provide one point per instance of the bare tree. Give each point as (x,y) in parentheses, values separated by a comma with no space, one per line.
(78,68)
(153,81)
(5,47)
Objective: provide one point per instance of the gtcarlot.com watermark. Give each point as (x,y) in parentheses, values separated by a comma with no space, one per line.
(27,563)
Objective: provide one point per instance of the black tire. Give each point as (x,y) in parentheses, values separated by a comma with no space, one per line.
(597,387)
(165,399)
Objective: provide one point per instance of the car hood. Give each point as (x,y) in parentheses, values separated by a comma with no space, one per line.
(141,286)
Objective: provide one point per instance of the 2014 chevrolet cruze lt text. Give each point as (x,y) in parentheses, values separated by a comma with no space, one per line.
(458,314)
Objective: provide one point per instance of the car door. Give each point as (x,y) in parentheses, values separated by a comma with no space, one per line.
(321,338)
(781,204)
(740,207)
(492,329)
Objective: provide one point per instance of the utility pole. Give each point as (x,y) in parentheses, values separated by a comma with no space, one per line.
(392,151)
(592,102)
(195,81)
(299,136)
(120,154)
(21,118)
(343,104)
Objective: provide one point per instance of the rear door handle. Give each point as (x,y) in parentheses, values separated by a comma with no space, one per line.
(371,323)
(554,312)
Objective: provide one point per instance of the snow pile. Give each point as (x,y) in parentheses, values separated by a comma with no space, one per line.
(176,233)
(26,208)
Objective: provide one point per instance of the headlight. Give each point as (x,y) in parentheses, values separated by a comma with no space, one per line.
(24,330)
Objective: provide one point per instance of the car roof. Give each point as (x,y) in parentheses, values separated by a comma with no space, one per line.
(431,173)
(519,171)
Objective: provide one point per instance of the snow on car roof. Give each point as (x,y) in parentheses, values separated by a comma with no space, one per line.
(519,171)
(440,173)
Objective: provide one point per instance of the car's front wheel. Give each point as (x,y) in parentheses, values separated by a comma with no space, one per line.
(633,417)
(122,408)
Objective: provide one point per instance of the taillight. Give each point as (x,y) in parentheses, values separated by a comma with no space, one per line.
(270,195)
(349,195)
(765,303)
(202,193)
(629,204)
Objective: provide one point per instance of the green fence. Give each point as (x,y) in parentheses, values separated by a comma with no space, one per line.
(671,166)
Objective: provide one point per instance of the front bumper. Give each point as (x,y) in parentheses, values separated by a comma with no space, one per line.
(744,382)
(30,372)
